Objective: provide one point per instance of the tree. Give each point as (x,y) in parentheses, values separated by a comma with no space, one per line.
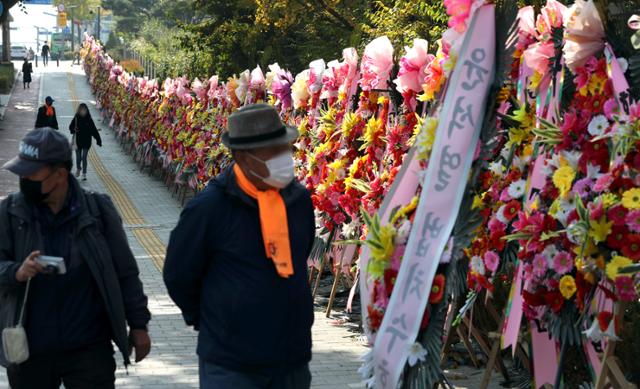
(81,9)
(6,35)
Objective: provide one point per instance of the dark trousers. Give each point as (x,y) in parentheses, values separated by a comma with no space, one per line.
(45,60)
(217,377)
(89,368)
(81,159)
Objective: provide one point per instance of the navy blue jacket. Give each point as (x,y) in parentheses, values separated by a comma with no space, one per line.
(249,318)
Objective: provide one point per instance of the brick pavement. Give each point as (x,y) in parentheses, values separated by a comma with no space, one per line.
(172,362)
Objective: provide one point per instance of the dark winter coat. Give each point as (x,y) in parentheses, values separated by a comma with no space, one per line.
(249,318)
(84,128)
(99,239)
(46,121)
(27,69)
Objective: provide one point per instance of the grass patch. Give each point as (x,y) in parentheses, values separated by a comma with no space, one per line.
(7,77)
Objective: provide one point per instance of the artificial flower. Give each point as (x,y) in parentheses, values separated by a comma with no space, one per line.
(477,265)
(491,261)
(614,266)
(600,229)
(417,353)
(562,179)
(633,220)
(598,125)
(625,289)
(437,289)
(562,263)
(631,198)
(567,286)
(517,189)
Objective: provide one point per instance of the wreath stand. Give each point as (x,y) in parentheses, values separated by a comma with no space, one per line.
(611,375)
(346,256)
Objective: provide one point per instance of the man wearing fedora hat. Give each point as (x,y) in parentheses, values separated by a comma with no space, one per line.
(236,262)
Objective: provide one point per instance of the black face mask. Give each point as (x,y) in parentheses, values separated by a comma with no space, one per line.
(32,190)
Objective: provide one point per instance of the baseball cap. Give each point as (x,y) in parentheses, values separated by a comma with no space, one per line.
(39,148)
(49,100)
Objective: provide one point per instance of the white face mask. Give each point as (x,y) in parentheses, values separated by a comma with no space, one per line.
(280,170)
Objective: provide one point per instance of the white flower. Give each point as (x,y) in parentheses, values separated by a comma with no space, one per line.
(519,163)
(497,168)
(565,208)
(610,333)
(592,171)
(550,251)
(594,333)
(500,214)
(598,125)
(402,235)
(477,265)
(572,157)
(624,64)
(516,189)
(348,230)
(416,353)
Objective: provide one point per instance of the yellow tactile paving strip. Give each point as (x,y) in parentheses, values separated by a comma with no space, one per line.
(147,237)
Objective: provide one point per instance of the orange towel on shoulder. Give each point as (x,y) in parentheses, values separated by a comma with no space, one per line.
(273,222)
(49,110)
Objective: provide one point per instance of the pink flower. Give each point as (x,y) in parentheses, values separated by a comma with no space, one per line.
(496,225)
(625,288)
(596,210)
(491,261)
(611,108)
(412,66)
(603,183)
(377,63)
(562,263)
(583,187)
(540,265)
(459,11)
(633,220)
(537,56)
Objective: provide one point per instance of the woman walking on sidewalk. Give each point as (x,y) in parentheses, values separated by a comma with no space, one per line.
(27,69)
(83,129)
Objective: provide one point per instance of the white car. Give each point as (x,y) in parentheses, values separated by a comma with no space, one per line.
(19,52)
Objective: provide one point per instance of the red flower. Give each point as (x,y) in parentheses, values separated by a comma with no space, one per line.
(511,209)
(616,238)
(631,247)
(375,317)
(534,299)
(617,215)
(595,153)
(437,289)
(425,319)
(390,276)
(604,318)
(554,300)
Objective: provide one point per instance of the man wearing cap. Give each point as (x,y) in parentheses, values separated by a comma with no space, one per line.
(71,316)
(47,115)
(236,262)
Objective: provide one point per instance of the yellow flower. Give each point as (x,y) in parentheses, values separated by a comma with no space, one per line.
(609,200)
(478,203)
(372,131)
(348,123)
(631,198)
(427,137)
(562,179)
(599,230)
(567,286)
(534,82)
(614,266)
(589,249)
(402,212)
(517,136)
(384,252)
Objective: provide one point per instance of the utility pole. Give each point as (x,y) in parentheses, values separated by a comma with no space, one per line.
(99,12)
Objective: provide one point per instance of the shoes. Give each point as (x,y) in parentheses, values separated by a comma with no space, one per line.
(84,177)
(78,173)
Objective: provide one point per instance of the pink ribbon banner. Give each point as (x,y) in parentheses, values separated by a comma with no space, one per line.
(620,84)
(442,191)
(402,191)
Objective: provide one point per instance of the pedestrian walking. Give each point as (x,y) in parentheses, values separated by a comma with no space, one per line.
(47,115)
(80,297)
(31,53)
(83,130)
(27,69)
(46,50)
(236,263)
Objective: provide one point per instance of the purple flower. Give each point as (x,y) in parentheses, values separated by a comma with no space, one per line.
(583,187)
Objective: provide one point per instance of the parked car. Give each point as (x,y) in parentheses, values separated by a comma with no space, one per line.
(19,52)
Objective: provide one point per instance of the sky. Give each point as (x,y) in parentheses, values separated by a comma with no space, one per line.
(37,15)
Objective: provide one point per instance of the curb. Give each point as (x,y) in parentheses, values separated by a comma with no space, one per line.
(4,104)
